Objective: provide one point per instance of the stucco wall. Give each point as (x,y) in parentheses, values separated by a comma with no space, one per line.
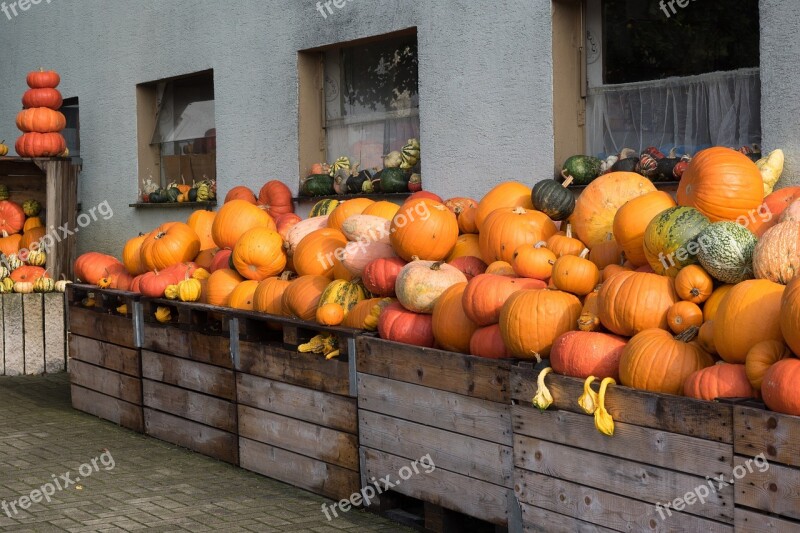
(780,83)
(484,69)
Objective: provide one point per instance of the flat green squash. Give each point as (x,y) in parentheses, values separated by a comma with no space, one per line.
(317,185)
(582,168)
(394,180)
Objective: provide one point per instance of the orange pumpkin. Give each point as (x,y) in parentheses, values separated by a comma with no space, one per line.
(317,252)
(589,319)
(40,120)
(423,229)
(485,295)
(452,328)
(581,354)
(780,386)
(259,254)
(28,273)
(533,261)
(220,285)
(684,315)
(242,296)
(752,302)
(488,342)
(466,246)
(345,210)
(507,195)
(276,198)
(12,217)
(370,309)
(30,239)
(32,222)
(790,315)
(596,207)
(201,222)
(632,219)
(630,302)
(268,296)
(607,252)
(777,253)
(382,209)
(398,324)
(565,244)
(285,222)
(694,284)
(459,203)
(506,229)
(331,314)
(722,380)
(576,275)
(92,266)
(236,217)
(610,270)
(761,357)
(301,297)
(9,244)
(240,192)
(132,255)
(712,303)
(655,361)
(466,220)
(501,268)
(721,183)
(205,258)
(169,244)
(705,337)
(34,144)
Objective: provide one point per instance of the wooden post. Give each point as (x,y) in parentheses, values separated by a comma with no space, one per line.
(54,333)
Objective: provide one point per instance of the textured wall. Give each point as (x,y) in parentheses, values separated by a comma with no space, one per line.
(485,86)
(780,83)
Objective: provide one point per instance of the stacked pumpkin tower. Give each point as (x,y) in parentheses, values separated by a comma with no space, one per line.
(40,121)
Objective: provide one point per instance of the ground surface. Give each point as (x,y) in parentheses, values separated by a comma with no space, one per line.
(150,486)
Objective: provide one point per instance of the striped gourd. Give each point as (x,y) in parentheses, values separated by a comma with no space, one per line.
(345,293)
(670,240)
(726,251)
(323,207)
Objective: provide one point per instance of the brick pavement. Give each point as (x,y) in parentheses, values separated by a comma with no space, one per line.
(153,486)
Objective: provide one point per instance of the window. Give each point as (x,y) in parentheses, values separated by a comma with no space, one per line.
(359,100)
(682,78)
(177,134)
(71,132)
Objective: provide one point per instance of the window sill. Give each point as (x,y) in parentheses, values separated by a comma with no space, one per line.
(371,196)
(173,205)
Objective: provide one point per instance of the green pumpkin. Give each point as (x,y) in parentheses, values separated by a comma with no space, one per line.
(553,199)
(317,185)
(582,168)
(193,194)
(172,194)
(159,196)
(31,208)
(670,240)
(726,251)
(323,207)
(360,183)
(394,180)
(3,191)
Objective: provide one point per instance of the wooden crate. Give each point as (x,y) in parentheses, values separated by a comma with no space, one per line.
(414,402)
(569,477)
(767,486)
(298,419)
(53,182)
(105,355)
(32,334)
(189,388)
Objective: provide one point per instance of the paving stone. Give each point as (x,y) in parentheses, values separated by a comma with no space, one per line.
(154,486)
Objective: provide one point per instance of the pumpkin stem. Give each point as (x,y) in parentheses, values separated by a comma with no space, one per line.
(415,258)
(437,265)
(584,253)
(688,335)
(569,231)
(609,236)
(519,210)
(286,275)
(568,181)
(160,235)
(695,291)
(540,244)
(565,175)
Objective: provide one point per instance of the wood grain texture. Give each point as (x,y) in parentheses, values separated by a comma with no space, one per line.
(208,410)
(298,470)
(164,339)
(748,521)
(449,411)
(55,340)
(776,489)
(320,408)
(674,414)
(775,435)
(193,435)
(106,355)
(659,448)
(538,520)
(472,497)
(212,349)
(618,476)
(199,377)
(476,458)
(115,329)
(478,377)
(108,408)
(106,381)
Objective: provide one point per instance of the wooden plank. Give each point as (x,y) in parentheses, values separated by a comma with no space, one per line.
(190,405)
(320,408)
(298,470)
(212,349)
(436,408)
(106,355)
(115,329)
(192,435)
(288,366)
(55,336)
(106,381)
(108,408)
(13,335)
(619,476)
(748,521)
(472,497)
(478,377)
(768,487)
(535,519)
(191,375)
(775,435)
(33,327)
(673,414)
(307,439)
(476,458)
(646,445)
(604,508)
(165,339)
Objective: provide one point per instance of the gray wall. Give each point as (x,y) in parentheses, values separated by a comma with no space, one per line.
(780,83)
(484,68)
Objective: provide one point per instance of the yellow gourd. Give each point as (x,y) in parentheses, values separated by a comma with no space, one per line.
(543,399)
(771,168)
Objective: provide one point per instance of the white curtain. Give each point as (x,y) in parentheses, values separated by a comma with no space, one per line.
(689,114)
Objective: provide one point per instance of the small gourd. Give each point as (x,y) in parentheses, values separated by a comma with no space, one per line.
(189,290)
(23,287)
(31,208)
(37,257)
(61,285)
(171,292)
(44,284)
(162,314)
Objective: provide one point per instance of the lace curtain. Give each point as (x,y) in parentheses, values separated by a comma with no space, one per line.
(688,114)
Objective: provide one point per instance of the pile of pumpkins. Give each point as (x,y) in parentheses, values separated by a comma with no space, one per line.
(40,121)
(693,297)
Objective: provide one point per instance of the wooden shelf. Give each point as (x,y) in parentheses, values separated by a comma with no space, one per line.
(173,205)
(371,196)
(660,185)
